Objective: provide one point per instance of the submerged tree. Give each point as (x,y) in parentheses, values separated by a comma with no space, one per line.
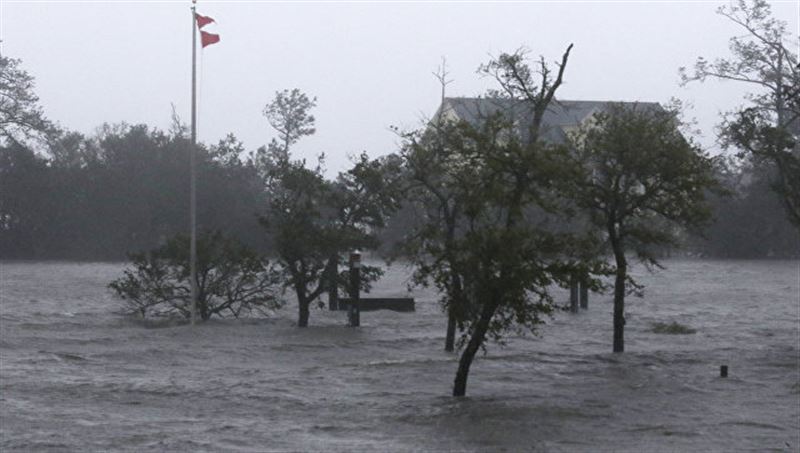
(479,243)
(314,222)
(638,177)
(433,174)
(429,176)
(767,129)
(231,280)
(491,262)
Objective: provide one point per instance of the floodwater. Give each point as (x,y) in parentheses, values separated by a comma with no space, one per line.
(77,376)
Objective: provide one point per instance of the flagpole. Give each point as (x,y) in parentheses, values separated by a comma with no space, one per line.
(193,174)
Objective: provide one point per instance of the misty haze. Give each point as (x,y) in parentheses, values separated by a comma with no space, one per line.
(455,226)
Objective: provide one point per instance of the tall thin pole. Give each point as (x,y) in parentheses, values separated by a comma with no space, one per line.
(193,174)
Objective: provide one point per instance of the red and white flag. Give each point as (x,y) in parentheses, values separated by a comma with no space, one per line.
(202,21)
(206,39)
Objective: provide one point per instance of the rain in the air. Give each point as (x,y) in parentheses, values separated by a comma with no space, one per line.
(473,226)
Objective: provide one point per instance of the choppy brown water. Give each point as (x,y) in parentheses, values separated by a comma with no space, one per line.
(74,375)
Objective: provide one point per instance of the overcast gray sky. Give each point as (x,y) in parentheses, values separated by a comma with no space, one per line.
(369,64)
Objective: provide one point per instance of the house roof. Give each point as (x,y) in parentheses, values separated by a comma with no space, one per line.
(560,115)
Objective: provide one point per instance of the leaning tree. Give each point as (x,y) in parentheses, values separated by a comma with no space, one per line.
(479,244)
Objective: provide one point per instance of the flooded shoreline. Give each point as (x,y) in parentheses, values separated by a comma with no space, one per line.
(75,375)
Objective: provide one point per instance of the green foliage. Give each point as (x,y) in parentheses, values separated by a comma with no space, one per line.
(26,203)
(641,182)
(778,147)
(437,188)
(767,129)
(289,114)
(481,246)
(478,240)
(640,179)
(297,218)
(517,80)
(673,328)
(315,222)
(761,57)
(749,220)
(125,188)
(21,117)
(231,280)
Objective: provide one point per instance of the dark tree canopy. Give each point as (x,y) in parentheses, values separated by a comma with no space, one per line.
(232,280)
(640,181)
(315,222)
(749,220)
(124,189)
(476,184)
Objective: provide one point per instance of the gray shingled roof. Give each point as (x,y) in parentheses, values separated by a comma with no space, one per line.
(559,115)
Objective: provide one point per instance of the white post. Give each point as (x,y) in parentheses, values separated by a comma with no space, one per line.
(193,175)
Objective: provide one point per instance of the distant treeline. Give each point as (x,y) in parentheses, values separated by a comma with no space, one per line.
(126,189)
(750,221)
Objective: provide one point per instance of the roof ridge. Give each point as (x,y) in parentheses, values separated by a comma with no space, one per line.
(587,101)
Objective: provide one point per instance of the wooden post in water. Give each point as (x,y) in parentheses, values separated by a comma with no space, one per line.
(354,314)
(573,294)
(333,287)
(723,371)
(585,292)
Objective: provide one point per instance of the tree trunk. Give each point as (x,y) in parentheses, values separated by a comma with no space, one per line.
(450,339)
(619,302)
(332,284)
(585,292)
(573,294)
(475,342)
(457,297)
(303,299)
(202,307)
(302,320)
(455,290)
